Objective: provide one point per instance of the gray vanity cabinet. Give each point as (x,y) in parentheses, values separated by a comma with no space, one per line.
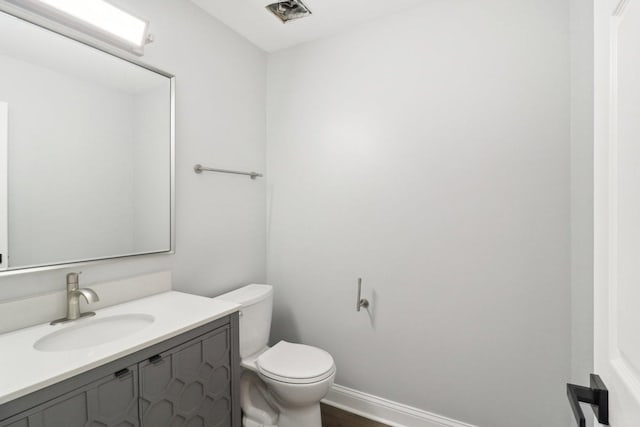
(190,384)
(109,402)
(190,380)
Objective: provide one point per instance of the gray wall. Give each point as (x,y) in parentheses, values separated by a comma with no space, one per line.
(220,121)
(428,152)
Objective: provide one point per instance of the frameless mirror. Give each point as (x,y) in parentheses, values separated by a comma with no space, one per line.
(86,145)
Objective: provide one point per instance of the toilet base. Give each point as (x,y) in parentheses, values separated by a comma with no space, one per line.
(246,422)
(308,416)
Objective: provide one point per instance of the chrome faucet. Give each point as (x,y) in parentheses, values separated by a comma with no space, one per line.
(73,299)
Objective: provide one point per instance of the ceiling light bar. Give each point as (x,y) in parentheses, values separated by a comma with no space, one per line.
(98,18)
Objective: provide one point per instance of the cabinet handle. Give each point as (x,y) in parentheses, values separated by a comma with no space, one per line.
(155,359)
(122,373)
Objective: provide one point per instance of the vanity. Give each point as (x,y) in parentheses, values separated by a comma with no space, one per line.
(166,359)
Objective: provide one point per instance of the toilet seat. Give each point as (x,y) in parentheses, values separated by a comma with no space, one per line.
(295,363)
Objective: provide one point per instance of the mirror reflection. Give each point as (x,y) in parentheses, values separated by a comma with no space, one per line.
(88,148)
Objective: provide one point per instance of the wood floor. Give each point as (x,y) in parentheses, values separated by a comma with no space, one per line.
(334,417)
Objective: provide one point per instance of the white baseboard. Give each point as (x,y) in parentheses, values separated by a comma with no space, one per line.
(385,411)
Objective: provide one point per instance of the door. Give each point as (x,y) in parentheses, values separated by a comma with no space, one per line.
(617,206)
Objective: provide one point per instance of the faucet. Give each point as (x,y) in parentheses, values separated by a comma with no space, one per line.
(73,299)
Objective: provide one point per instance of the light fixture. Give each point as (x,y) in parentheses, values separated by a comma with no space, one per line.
(97,18)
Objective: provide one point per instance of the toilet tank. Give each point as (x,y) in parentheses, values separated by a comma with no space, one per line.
(255,316)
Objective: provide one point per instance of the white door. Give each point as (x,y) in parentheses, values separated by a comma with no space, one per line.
(617,206)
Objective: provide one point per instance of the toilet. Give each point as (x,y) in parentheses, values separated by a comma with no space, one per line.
(281,386)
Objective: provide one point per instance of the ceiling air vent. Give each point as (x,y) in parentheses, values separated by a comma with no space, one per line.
(289,10)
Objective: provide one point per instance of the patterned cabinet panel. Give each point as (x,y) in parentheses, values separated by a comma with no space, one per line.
(189,385)
(109,402)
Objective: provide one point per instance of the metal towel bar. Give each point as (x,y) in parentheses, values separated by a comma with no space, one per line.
(200,169)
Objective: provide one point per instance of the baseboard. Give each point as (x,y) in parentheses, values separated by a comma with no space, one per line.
(385,411)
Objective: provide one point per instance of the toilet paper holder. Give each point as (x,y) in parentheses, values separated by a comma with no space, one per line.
(361,302)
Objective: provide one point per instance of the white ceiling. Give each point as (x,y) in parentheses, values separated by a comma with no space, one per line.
(250,18)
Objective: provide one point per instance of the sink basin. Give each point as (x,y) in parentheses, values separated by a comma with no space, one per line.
(92,332)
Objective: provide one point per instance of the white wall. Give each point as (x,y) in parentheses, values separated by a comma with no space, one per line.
(428,153)
(220,121)
(582,137)
(4,230)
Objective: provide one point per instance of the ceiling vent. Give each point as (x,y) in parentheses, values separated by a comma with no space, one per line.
(289,10)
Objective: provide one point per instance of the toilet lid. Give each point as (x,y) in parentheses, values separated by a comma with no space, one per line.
(297,363)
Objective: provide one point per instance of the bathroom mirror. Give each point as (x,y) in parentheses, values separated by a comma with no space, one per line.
(86,151)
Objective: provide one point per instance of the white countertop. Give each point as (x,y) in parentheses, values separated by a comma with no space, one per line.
(23,369)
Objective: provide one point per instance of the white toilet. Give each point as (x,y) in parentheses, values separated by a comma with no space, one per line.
(281,385)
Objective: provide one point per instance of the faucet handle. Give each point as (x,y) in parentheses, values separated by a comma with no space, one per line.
(73,280)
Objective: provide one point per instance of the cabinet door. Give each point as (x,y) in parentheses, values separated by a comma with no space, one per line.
(109,402)
(189,385)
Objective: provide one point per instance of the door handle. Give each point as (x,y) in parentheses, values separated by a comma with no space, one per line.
(597,395)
